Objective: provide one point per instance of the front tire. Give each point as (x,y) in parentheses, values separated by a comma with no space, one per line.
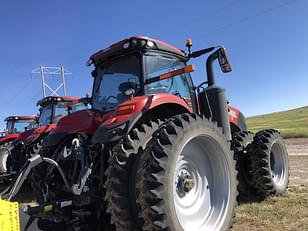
(187,177)
(120,181)
(4,153)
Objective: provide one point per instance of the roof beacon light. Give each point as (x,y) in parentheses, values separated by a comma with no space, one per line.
(188,42)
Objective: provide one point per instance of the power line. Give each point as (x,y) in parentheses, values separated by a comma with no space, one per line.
(253,16)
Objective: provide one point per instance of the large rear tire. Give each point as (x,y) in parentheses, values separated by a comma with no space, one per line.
(269,163)
(240,141)
(120,182)
(187,177)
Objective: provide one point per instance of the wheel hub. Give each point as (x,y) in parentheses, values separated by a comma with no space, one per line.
(184,183)
(201,185)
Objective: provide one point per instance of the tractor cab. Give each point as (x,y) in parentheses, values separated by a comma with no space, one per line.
(139,66)
(15,125)
(53,108)
(19,124)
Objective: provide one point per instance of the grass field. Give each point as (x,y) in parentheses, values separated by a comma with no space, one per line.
(288,212)
(291,124)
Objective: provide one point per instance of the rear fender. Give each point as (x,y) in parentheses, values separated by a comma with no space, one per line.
(237,120)
(159,106)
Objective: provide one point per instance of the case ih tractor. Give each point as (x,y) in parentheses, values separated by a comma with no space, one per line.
(28,143)
(14,126)
(155,152)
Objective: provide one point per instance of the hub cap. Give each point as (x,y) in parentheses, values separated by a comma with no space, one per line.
(278,164)
(201,188)
(3,158)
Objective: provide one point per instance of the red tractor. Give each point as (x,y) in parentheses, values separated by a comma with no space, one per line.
(28,143)
(155,152)
(14,126)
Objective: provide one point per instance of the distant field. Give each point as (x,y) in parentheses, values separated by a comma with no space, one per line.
(291,124)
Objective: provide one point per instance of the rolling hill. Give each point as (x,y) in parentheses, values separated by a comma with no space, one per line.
(292,123)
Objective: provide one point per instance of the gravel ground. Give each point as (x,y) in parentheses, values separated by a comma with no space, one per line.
(298,157)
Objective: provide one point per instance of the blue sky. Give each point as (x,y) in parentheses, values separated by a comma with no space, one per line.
(266,40)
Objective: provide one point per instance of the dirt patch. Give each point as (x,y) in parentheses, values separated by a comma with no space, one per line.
(298,158)
(298,170)
(297,146)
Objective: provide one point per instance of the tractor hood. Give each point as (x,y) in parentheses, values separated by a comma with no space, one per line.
(8,138)
(85,121)
(33,134)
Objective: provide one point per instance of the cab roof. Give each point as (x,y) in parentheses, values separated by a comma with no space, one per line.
(50,99)
(20,117)
(134,43)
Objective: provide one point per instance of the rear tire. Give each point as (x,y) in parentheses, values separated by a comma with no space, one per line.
(269,163)
(120,183)
(240,141)
(187,177)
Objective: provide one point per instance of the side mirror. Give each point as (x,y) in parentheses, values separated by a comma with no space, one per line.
(223,61)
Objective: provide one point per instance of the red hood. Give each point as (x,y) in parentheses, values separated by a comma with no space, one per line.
(85,121)
(9,137)
(33,134)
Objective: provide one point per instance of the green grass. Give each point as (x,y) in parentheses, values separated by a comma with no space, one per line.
(291,124)
(288,212)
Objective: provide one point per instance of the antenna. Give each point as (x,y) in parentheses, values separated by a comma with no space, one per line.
(55,71)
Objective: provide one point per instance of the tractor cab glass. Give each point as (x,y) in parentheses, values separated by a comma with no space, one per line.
(78,107)
(117,81)
(18,126)
(157,64)
(113,80)
(51,113)
(45,115)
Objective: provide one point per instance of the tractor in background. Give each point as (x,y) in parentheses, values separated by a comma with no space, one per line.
(28,143)
(155,152)
(15,125)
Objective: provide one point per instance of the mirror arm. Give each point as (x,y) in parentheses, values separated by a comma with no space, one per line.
(209,68)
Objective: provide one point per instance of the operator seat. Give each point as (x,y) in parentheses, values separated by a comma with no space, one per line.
(123,87)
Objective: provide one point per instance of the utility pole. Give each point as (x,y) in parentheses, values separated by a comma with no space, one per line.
(56,72)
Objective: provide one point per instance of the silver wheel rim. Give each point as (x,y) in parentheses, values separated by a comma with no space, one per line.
(205,205)
(3,158)
(278,164)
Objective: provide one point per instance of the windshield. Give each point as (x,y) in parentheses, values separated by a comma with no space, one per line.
(22,125)
(18,126)
(45,115)
(61,110)
(157,64)
(79,107)
(112,82)
(10,127)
